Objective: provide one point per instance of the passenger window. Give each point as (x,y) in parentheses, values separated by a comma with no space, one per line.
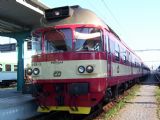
(130,58)
(124,59)
(135,62)
(0,67)
(8,67)
(117,54)
(112,46)
(124,56)
(15,67)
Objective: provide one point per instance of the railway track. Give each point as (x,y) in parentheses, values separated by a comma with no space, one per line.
(99,114)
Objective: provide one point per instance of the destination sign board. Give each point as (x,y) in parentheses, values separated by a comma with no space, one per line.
(8,47)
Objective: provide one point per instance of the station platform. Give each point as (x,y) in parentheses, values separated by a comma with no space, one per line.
(16,106)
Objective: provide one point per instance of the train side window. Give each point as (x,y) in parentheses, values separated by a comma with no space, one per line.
(0,67)
(117,54)
(8,67)
(15,67)
(130,58)
(112,46)
(125,57)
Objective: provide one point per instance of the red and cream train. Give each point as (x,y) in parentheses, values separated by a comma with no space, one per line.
(79,62)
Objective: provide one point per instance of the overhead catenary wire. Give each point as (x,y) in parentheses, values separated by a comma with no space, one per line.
(100,13)
(121,28)
(147,50)
(111,13)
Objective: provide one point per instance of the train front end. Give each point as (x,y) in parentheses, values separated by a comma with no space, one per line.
(69,68)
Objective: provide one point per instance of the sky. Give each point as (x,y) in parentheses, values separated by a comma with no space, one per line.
(135,21)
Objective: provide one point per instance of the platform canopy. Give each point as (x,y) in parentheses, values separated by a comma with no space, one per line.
(20,15)
(17,19)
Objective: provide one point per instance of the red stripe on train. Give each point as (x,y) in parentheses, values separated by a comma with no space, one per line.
(70,56)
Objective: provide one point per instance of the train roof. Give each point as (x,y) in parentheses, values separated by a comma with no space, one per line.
(77,15)
(68,15)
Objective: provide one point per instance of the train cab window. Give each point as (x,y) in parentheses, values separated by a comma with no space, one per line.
(15,67)
(0,67)
(8,67)
(37,43)
(88,39)
(117,52)
(58,40)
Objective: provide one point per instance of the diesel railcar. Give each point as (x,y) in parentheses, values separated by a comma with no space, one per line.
(79,61)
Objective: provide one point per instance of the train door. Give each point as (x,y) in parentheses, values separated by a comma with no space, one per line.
(107,49)
(109,57)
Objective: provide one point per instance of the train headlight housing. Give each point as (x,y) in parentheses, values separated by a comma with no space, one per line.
(89,69)
(81,69)
(36,71)
(29,71)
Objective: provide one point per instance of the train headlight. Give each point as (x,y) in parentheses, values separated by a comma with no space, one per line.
(29,71)
(57,13)
(89,69)
(36,71)
(81,69)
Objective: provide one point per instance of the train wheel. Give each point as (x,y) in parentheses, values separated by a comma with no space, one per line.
(108,95)
(115,91)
